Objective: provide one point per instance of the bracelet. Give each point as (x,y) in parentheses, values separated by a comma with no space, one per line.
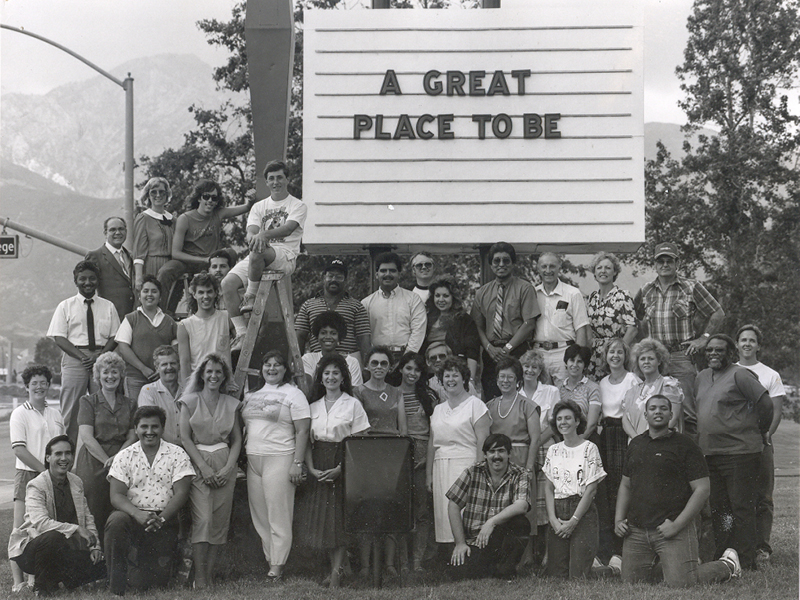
(574,517)
(298,463)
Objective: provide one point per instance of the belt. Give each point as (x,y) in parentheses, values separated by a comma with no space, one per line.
(396,348)
(553,345)
(211,447)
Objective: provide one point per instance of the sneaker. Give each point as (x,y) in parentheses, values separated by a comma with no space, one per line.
(731,558)
(596,564)
(616,564)
(248,301)
(762,556)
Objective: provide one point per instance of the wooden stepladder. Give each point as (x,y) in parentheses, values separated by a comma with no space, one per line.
(269,280)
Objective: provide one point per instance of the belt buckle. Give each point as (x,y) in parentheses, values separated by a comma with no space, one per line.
(550,345)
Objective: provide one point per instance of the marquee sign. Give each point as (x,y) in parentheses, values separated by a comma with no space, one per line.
(454,128)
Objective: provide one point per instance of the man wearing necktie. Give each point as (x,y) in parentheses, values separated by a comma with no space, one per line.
(83,326)
(116,267)
(505,311)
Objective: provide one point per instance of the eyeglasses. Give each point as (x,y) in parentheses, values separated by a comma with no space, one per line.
(379,363)
(665,261)
(334,276)
(435,357)
(209,195)
(501,261)
(423,265)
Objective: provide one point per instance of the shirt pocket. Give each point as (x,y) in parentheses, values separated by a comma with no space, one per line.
(681,309)
(561,318)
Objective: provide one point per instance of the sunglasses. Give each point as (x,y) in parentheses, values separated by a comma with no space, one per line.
(209,195)
(423,265)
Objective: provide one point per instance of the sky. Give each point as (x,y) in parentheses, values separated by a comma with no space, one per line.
(111,32)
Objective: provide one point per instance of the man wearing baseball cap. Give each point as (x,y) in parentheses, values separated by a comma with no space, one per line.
(678,312)
(334,296)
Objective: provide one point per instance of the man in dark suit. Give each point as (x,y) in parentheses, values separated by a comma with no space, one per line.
(116,266)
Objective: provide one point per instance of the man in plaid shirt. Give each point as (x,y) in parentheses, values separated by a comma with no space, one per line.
(487,506)
(678,312)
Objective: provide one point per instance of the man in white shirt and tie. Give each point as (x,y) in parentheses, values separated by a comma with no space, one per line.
(116,267)
(83,326)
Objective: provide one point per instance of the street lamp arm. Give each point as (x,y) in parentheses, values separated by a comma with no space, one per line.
(119,82)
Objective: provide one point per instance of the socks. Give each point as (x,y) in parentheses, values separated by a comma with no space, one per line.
(252,287)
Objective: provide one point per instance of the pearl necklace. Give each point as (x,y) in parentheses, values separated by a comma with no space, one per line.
(508,412)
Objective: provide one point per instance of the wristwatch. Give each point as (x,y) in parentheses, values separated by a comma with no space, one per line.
(508,347)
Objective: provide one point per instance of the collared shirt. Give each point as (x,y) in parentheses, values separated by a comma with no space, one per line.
(146,244)
(731,410)
(125,331)
(396,320)
(346,417)
(670,313)
(157,394)
(478,499)
(519,305)
(150,486)
(69,321)
(65,505)
(586,393)
(33,429)
(121,256)
(563,313)
(354,313)
(660,470)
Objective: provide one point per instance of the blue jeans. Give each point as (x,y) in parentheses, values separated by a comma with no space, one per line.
(682,368)
(649,556)
(764,506)
(734,489)
(572,557)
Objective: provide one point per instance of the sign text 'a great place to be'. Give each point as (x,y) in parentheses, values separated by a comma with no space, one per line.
(459,83)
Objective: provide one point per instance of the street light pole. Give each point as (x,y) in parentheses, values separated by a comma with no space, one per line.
(126,85)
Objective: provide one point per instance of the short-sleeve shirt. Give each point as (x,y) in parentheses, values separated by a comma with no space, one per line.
(571,470)
(111,425)
(767,377)
(726,411)
(270,214)
(150,486)
(612,315)
(453,429)
(660,470)
(545,397)
(519,305)
(69,321)
(670,313)
(311,360)
(157,394)
(346,417)
(586,393)
(563,313)
(611,394)
(479,501)
(635,400)
(354,313)
(513,421)
(211,428)
(33,429)
(381,407)
(269,414)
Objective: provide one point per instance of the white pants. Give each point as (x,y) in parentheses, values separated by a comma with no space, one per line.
(271,497)
(554,363)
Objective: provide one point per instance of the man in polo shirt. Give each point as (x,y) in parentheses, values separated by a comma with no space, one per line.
(165,392)
(664,485)
(486,508)
(397,316)
(564,318)
(505,311)
(83,327)
(334,296)
(423,269)
(678,312)
(748,341)
(150,482)
(731,413)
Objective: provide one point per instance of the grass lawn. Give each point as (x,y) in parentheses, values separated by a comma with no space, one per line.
(775,581)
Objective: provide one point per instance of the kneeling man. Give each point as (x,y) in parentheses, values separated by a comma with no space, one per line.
(150,482)
(664,485)
(487,506)
(57,542)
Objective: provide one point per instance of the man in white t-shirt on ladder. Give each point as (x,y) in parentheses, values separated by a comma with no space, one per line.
(274,230)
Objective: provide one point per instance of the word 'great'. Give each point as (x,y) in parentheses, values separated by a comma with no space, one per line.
(457,83)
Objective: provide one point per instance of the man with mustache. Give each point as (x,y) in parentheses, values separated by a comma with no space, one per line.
(165,391)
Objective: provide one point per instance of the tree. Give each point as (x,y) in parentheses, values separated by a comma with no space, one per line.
(47,354)
(732,202)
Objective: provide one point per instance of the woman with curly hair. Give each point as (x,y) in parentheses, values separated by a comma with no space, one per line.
(610,311)
(211,434)
(153,229)
(198,232)
(335,414)
(105,426)
(650,359)
(448,322)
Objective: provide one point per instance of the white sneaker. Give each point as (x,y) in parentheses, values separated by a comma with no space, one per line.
(596,564)
(731,558)
(616,564)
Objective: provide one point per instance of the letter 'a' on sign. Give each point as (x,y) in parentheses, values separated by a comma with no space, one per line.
(473,126)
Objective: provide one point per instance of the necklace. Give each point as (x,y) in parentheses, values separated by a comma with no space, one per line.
(510,408)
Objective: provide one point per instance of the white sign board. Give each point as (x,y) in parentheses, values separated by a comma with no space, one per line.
(448,129)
